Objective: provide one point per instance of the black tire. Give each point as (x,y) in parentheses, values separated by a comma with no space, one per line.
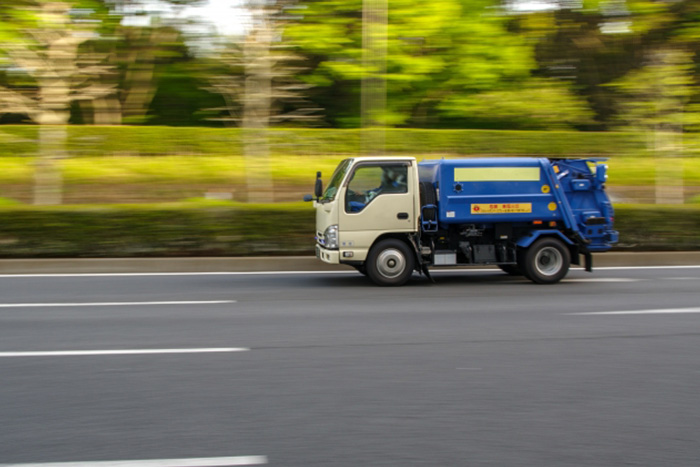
(390,263)
(547,261)
(511,269)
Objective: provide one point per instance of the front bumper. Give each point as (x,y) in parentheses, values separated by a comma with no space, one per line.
(327,256)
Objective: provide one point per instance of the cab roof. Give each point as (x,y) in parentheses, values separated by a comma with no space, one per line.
(382,158)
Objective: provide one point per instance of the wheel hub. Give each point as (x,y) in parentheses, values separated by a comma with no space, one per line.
(549,261)
(391,263)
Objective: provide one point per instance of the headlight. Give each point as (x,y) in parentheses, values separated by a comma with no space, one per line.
(331,237)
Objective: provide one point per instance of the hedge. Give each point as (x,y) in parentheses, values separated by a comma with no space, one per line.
(231,229)
(85,140)
(217,229)
(658,227)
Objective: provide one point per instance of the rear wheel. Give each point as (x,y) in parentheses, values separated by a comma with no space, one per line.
(390,263)
(547,261)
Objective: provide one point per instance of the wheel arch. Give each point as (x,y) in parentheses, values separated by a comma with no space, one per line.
(525,242)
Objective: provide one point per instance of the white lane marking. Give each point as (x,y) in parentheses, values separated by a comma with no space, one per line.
(631,268)
(349,271)
(641,312)
(187,302)
(72,353)
(211,273)
(191,462)
(603,279)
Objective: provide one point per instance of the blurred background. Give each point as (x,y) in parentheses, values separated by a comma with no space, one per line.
(151,101)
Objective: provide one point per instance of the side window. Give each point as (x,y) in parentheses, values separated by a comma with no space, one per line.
(370,181)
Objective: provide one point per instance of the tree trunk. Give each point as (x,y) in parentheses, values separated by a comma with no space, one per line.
(373,99)
(48,180)
(669,168)
(257,101)
(106,111)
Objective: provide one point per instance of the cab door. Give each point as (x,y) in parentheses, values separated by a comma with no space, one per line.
(378,197)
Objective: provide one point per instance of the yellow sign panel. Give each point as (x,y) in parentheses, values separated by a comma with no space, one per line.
(497,174)
(501,208)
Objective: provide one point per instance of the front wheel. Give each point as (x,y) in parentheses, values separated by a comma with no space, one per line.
(390,263)
(547,261)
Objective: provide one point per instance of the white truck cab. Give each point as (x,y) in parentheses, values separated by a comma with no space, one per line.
(367,198)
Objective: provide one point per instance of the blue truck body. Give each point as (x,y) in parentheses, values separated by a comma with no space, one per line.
(533,196)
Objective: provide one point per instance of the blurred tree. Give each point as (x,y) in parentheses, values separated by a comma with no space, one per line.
(594,43)
(260,88)
(538,104)
(442,56)
(636,61)
(656,96)
(655,100)
(136,56)
(180,99)
(141,43)
(41,39)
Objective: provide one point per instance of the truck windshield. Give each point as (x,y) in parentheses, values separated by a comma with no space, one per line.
(336,179)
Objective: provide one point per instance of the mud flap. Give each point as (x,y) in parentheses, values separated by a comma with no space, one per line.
(424,269)
(589,262)
(419,260)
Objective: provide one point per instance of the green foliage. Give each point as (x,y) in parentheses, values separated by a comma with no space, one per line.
(448,63)
(624,57)
(205,228)
(8,202)
(555,108)
(191,229)
(16,169)
(656,96)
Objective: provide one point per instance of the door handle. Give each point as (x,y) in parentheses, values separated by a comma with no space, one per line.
(402,215)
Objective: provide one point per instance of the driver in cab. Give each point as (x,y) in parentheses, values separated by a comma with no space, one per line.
(393,180)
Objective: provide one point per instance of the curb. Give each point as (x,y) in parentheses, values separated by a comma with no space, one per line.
(278,263)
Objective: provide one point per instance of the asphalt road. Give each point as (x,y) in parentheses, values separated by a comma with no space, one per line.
(310,369)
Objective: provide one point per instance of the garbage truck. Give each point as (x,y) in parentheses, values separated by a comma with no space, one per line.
(389,217)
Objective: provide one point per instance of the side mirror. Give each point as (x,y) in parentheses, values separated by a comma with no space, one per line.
(308,198)
(318,189)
